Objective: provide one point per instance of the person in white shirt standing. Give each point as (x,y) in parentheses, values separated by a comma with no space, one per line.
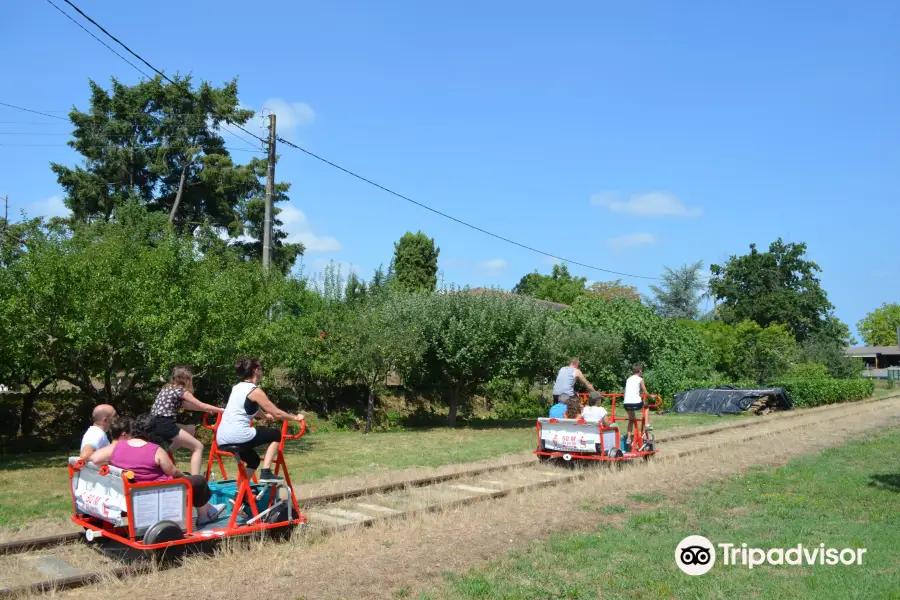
(95,436)
(635,400)
(595,413)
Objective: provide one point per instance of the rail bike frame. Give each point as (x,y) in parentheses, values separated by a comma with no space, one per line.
(107,503)
(579,440)
(215,455)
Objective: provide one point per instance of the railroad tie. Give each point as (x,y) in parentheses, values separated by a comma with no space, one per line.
(52,566)
(472,488)
(378,508)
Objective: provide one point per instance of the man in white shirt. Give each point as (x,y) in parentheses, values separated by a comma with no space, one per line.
(595,413)
(95,437)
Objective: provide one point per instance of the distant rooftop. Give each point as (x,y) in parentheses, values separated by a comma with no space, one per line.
(871,351)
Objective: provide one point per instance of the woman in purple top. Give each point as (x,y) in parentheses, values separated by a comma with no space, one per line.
(136,453)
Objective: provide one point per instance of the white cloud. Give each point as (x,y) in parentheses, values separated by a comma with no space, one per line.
(289,115)
(49,208)
(493,266)
(299,229)
(652,204)
(632,240)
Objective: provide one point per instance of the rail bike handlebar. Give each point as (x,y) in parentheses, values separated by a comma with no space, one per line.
(614,397)
(285,429)
(206,424)
(658,400)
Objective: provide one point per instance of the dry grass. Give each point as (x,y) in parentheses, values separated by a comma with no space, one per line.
(397,558)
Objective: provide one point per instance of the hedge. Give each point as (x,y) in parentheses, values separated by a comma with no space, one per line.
(808,392)
(819,391)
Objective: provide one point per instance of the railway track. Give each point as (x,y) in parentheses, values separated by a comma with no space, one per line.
(49,558)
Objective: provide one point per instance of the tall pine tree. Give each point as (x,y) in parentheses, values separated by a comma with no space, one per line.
(156,144)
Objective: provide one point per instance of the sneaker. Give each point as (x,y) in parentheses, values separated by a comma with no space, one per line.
(266,476)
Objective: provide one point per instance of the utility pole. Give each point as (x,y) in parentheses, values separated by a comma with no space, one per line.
(270,191)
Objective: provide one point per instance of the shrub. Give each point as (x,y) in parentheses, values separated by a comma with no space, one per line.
(511,399)
(819,391)
(671,352)
(807,371)
(345,420)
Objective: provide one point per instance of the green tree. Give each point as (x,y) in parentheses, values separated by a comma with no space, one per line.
(355,290)
(385,336)
(23,363)
(680,294)
(778,286)
(822,349)
(671,352)
(763,353)
(474,338)
(112,306)
(612,290)
(560,286)
(415,263)
(879,327)
(723,340)
(153,144)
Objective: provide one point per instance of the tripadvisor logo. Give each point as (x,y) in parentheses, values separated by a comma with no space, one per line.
(696,555)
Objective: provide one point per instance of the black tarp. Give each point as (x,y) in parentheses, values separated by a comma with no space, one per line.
(727,400)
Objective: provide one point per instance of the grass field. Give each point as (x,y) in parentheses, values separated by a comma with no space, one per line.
(846,497)
(35,486)
(882,389)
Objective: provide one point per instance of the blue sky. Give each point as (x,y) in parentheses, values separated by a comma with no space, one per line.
(623,135)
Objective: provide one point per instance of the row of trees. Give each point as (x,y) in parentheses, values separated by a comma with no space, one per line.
(108,307)
(158,265)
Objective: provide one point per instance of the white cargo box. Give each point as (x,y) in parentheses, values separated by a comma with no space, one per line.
(568,435)
(103,496)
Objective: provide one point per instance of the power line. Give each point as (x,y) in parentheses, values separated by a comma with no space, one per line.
(154,69)
(445,215)
(110,48)
(94,130)
(150,146)
(26,123)
(37,112)
(140,58)
(351,173)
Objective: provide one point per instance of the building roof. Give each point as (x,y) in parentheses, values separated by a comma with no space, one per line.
(871,351)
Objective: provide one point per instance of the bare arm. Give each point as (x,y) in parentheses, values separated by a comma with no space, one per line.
(165,463)
(86,452)
(644,388)
(262,400)
(190,402)
(102,456)
(581,378)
